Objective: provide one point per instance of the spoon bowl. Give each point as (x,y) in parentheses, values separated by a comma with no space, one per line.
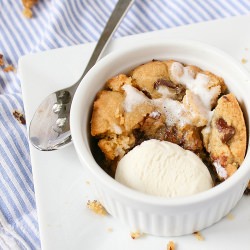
(50,126)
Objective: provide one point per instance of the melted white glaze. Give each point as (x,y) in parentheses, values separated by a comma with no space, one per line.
(222,172)
(133,97)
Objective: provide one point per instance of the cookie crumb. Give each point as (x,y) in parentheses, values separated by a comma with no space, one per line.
(27,13)
(171,245)
(243,60)
(9,68)
(28,4)
(230,216)
(1,60)
(19,116)
(96,207)
(135,235)
(198,236)
(110,229)
(87,182)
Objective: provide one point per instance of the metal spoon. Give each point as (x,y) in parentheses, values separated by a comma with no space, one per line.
(49,128)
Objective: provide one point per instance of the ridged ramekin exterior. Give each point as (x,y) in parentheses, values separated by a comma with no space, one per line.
(159,221)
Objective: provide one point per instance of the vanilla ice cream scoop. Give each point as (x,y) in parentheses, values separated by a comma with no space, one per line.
(165,169)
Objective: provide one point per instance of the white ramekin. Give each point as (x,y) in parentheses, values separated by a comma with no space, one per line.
(145,213)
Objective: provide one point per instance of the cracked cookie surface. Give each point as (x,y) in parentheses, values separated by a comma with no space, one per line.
(172,101)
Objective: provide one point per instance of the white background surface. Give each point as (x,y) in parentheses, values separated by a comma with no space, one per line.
(62,187)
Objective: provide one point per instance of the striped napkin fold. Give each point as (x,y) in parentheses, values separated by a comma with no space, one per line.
(52,24)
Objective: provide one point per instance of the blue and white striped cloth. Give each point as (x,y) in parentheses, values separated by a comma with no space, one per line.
(58,24)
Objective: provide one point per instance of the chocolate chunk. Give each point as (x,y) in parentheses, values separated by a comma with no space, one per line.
(179,89)
(139,136)
(171,135)
(19,117)
(180,92)
(247,191)
(226,98)
(164,82)
(227,132)
(147,94)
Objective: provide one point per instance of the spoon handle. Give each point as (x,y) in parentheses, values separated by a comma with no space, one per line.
(117,15)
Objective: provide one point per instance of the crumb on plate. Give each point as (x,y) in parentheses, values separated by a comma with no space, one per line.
(96,207)
(243,60)
(110,229)
(198,236)
(19,117)
(171,245)
(230,216)
(135,235)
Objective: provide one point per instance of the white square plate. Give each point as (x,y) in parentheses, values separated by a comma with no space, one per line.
(62,187)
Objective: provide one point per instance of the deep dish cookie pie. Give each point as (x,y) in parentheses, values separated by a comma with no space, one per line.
(175,102)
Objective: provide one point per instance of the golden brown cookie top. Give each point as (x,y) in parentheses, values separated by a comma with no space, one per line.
(145,76)
(107,116)
(226,142)
(172,101)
